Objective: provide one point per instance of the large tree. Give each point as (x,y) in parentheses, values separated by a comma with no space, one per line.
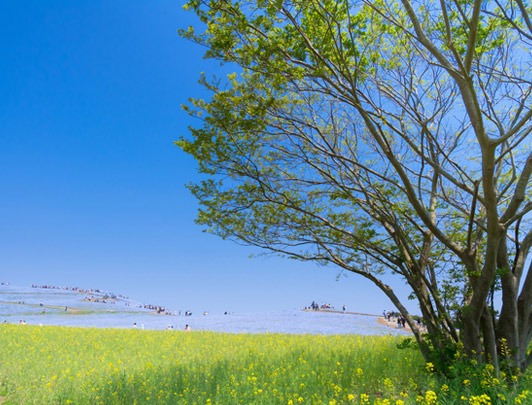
(379,136)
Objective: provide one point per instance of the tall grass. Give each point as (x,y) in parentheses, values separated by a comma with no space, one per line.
(59,365)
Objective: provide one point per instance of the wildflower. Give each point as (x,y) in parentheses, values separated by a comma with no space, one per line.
(524,394)
(504,347)
(431,397)
(364,399)
(480,400)
(430,367)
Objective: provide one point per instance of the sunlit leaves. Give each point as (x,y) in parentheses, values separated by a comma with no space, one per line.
(376,135)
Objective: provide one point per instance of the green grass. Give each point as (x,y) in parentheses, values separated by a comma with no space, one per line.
(59,365)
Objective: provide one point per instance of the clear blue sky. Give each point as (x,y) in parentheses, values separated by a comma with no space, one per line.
(92,188)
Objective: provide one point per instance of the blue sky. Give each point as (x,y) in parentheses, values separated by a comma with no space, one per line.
(92,187)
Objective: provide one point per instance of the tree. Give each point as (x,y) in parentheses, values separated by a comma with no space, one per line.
(380,136)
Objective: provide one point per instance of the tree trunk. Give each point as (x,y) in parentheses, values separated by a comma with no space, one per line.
(489,340)
(507,328)
(471,336)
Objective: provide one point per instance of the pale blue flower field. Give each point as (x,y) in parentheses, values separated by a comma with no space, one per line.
(18,304)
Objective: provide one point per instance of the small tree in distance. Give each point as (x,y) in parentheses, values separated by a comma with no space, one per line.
(380,137)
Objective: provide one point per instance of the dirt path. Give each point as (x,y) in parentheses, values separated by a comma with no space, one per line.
(335,311)
(392,324)
(380,319)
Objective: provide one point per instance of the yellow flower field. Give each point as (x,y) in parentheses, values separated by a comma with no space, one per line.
(62,365)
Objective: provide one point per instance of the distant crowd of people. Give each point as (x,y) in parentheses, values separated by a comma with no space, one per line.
(391,316)
(103,300)
(401,321)
(107,295)
(104,297)
(316,307)
(388,315)
(157,308)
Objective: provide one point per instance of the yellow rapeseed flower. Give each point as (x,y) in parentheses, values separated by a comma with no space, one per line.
(431,398)
(364,399)
(480,400)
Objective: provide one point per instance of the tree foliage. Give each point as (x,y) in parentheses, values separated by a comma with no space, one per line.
(379,136)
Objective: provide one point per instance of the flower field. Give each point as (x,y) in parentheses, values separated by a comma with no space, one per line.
(61,365)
